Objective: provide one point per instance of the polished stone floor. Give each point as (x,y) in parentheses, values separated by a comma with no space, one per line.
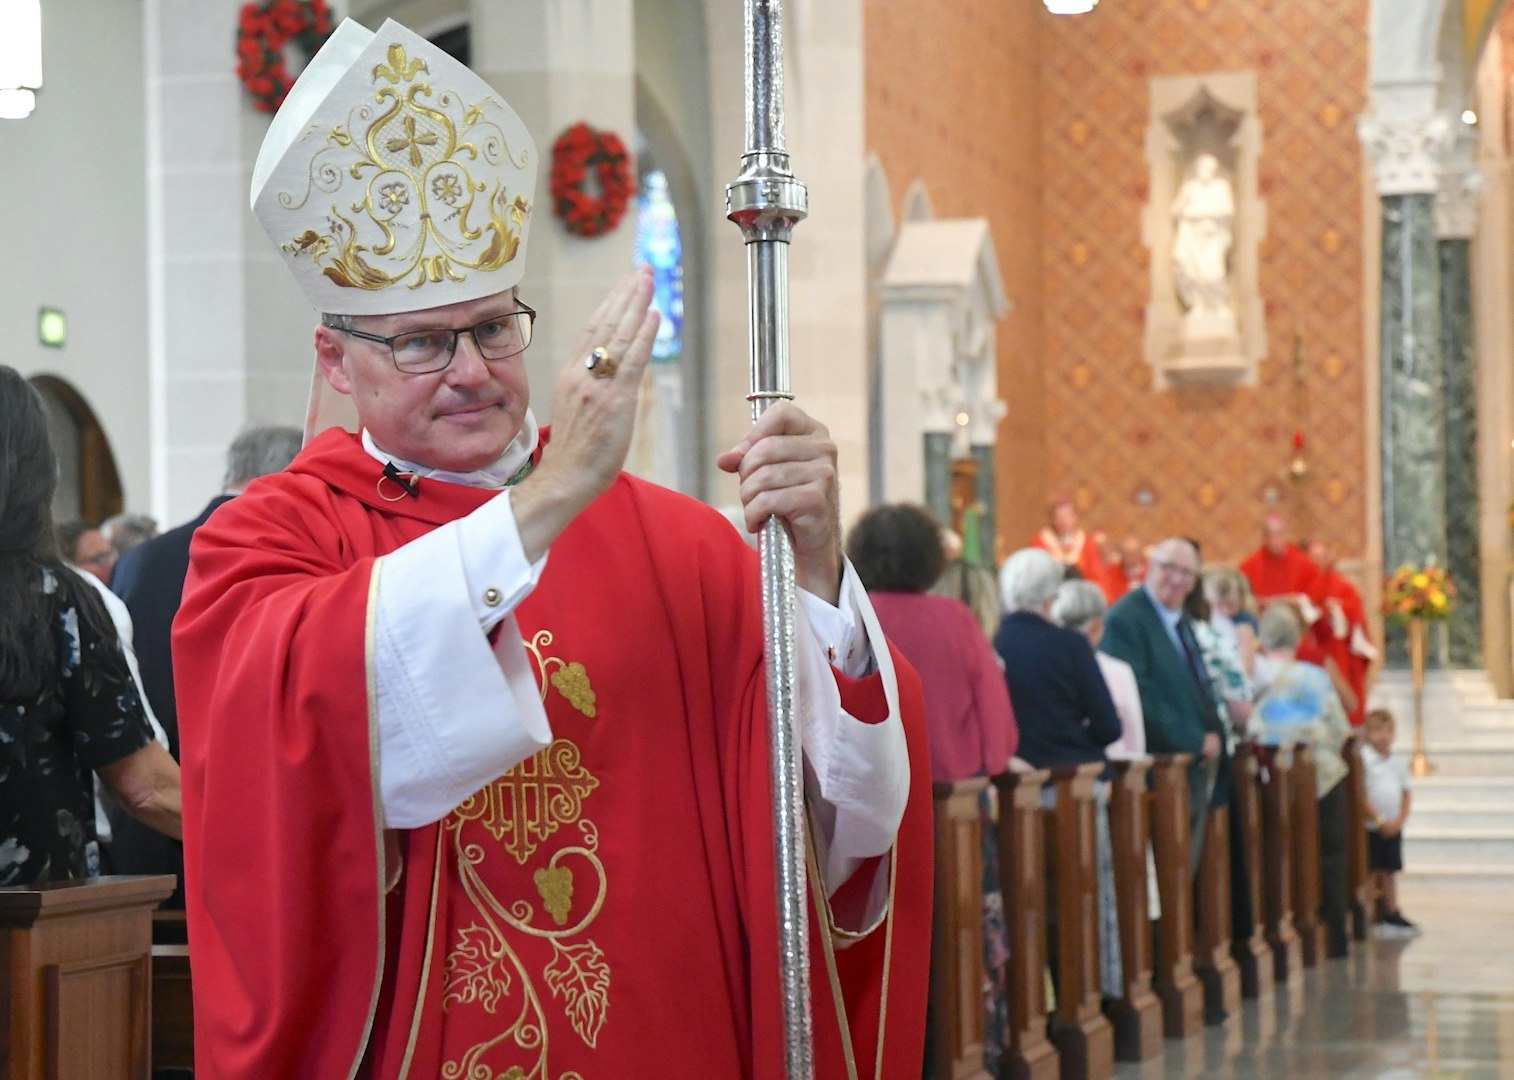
(1437,1006)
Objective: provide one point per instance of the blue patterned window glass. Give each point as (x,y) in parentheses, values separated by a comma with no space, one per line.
(658,246)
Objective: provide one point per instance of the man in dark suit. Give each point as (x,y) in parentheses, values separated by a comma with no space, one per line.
(150,579)
(1148,630)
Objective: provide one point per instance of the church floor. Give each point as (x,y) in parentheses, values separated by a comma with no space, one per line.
(1437,1006)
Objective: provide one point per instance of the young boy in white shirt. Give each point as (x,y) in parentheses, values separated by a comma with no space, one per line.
(1388,786)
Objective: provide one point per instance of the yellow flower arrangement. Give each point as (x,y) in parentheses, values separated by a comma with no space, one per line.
(1418,593)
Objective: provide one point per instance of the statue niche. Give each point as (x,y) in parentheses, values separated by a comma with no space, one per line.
(1202,225)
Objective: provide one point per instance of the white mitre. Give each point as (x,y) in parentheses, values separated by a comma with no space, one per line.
(394,179)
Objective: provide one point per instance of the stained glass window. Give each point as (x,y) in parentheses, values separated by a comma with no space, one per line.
(658,246)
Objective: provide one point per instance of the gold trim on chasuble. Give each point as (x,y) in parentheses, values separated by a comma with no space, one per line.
(520,812)
(419,187)
(370,682)
(828,935)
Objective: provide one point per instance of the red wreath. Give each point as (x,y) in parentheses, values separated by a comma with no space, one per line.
(263,31)
(576,152)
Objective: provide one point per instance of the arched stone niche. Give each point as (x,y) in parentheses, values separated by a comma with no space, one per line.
(1203,225)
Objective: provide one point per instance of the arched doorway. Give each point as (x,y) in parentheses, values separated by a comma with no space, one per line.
(89,485)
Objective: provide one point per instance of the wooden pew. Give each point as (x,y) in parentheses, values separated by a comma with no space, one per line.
(1306,883)
(1082,1035)
(1178,989)
(75,958)
(1022,872)
(1361,894)
(1212,962)
(172,999)
(1137,1017)
(1277,864)
(956,964)
(1249,947)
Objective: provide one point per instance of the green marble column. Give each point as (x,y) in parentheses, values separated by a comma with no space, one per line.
(1459,354)
(1413,390)
(984,455)
(937,449)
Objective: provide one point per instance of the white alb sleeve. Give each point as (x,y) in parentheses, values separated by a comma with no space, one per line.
(857,773)
(454,712)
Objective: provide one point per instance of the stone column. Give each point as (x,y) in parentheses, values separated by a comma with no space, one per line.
(1406,152)
(558,62)
(1456,219)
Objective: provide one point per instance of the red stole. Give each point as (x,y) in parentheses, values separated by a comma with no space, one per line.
(1321,643)
(606,907)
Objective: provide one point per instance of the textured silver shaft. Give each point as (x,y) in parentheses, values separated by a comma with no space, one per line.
(766,201)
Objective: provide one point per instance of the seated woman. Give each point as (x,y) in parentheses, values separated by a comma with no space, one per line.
(898,555)
(1081,606)
(1061,702)
(1301,706)
(68,704)
(1064,709)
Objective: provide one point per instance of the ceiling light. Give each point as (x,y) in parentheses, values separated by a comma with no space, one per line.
(20,56)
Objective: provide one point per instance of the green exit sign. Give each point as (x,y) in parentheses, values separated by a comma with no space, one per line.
(52,327)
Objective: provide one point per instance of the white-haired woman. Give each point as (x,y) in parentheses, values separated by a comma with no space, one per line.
(1081,606)
(1063,708)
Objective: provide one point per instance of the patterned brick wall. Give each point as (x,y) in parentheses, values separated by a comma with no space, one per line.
(953,91)
(1205,462)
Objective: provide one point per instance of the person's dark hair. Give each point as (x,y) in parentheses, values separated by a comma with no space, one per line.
(897,548)
(1196,603)
(29,547)
(69,534)
(259,451)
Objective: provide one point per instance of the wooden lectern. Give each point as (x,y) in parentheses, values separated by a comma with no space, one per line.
(77,959)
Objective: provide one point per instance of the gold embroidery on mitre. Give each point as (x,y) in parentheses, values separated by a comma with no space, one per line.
(555,883)
(432,206)
(533,800)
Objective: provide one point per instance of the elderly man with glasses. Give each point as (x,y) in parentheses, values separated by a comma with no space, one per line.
(473,723)
(1149,631)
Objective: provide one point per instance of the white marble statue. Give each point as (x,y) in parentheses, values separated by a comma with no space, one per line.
(1203,214)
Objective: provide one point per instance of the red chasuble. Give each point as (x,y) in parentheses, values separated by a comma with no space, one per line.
(1322,643)
(1079,551)
(605,910)
(1275,576)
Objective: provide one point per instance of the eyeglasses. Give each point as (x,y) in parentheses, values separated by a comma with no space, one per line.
(420,352)
(1176,569)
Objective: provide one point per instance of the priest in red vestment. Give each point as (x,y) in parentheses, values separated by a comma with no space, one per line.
(1340,641)
(1070,544)
(1279,571)
(473,723)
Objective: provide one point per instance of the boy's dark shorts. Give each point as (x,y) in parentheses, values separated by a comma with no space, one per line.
(1385,853)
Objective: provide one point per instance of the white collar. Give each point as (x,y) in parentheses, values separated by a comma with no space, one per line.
(496,476)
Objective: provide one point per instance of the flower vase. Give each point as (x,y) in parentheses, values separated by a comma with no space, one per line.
(1418,629)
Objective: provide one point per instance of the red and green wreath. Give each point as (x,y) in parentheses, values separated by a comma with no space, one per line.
(263,31)
(576,154)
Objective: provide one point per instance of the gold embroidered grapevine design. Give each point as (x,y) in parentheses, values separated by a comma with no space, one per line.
(520,811)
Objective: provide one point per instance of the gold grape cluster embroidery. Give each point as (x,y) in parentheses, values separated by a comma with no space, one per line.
(521,812)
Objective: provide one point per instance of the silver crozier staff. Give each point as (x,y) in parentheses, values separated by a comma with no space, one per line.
(766,201)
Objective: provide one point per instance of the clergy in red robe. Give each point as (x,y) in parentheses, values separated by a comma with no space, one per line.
(1280,572)
(473,723)
(1339,641)
(1070,544)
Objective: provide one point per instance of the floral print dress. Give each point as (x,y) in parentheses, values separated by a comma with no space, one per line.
(88,716)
